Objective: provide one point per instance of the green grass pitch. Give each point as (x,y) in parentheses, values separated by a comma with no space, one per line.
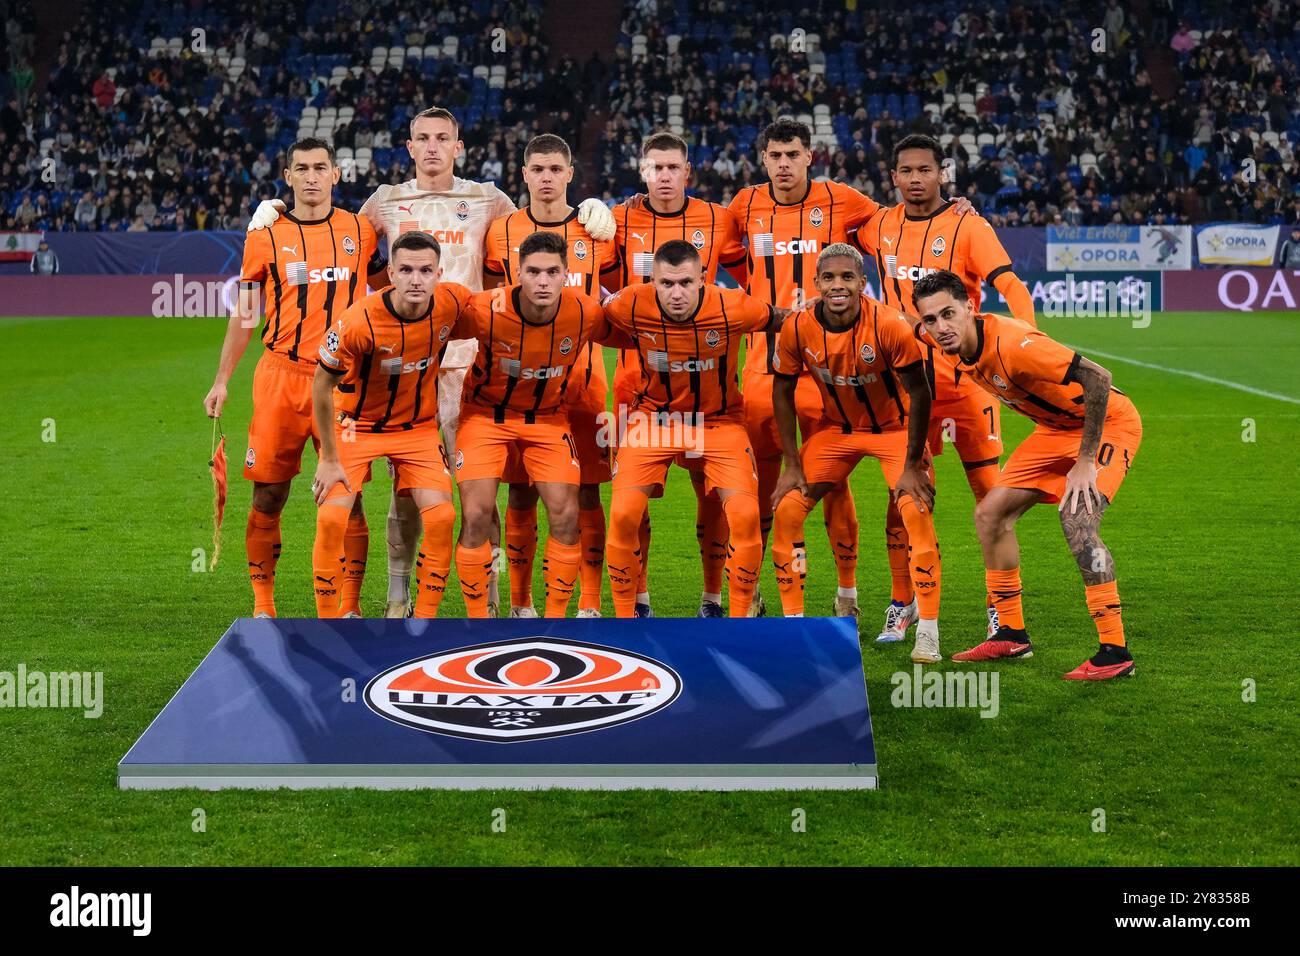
(98,536)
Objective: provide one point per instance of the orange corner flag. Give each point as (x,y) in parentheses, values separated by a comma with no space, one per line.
(217,464)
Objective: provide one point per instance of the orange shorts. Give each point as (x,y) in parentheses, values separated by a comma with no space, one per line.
(282,422)
(973,424)
(590,438)
(760,416)
(720,446)
(417,455)
(1046,456)
(544,446)
(830,455)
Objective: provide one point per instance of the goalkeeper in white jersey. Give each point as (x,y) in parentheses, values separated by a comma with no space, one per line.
(457,212)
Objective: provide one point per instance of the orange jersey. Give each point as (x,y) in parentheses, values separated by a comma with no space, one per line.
(389,365)
(1028,371)
(524,367)
(310,272)
(710,228)
(784,242)
(688,366)
(906,248)
(854,368)
(588,259)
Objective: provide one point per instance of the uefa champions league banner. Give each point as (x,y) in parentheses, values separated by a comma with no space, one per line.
(1237,244)
(765,703)
(1110,248)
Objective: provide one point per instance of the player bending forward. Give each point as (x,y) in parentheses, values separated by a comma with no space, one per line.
(384,357)
(1085,438)
(862,356)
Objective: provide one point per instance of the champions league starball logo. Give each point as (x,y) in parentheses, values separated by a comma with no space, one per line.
(527,689)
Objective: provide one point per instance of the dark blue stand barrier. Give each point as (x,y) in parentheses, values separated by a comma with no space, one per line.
(664,703)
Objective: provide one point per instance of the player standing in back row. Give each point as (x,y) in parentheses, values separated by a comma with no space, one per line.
(312,265)
(922,235)
(1085,438)
(457,212)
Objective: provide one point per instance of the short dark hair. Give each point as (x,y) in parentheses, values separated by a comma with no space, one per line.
(918,141)
(305,144)
(414,241)
(936,282)
(675,252)
(785,130)
(436,112)
(548,143)
(551,242)
(664,140)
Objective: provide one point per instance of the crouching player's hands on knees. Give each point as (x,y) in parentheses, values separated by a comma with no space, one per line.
(328,474)
(914,483)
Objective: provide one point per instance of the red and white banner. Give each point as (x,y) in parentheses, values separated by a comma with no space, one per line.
(18,246)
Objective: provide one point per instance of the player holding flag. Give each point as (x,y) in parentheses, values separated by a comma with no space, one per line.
(457,212)
(1085,438)
(921,235)
(313,263)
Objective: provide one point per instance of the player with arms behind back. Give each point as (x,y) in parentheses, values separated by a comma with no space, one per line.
(1085,437)
(312,264)
(923,234)
(548,170)
(384,358)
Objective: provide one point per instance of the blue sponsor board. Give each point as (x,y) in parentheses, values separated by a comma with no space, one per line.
(592,704)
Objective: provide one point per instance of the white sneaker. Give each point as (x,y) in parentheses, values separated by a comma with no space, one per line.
(397,609)
(898,618)
(262,614)
(528,611)
(926,649)
(758,607)
(585,612)
(353,614)
(993,621)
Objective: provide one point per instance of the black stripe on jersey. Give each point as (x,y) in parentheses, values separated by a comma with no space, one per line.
(366,364)
(394,384)
(992,276)
(891,382)
(505,259)
(419,380)
(833,391)
(953,251)
(485,349)
(331,286)
(1073,369)
(723,370)
(1030,396)
(898,248)
(352,282)
(279,291)
(666,376)
(302,300)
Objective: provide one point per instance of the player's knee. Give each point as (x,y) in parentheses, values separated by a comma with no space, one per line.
(625,519)
(270,499)
(742,518)
(475,521)
(991,521)
(562,517)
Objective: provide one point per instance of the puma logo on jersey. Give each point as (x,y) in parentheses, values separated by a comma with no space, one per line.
(639,236)
(652,336)
(386,348)
(406,208)
(1026,342)
(292,250)
(815,356)
(503,346)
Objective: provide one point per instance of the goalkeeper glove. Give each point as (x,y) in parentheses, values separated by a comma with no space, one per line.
(268,211)
(595,217)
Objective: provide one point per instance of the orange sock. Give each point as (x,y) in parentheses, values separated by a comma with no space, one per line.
(745,551)
(1004,587)
(643,533)
(474,567)
(788,554)
(433,562)
(900,574)
(923,558)
(842,528)
(622,555)
(591,536)
(769,470)
(711,534)
(521,551)
(262,541)
(560,572)
(356,544)
(981,481)
(1104,606)
(327,558)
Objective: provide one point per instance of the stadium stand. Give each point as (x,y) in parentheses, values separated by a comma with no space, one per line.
(1054,113)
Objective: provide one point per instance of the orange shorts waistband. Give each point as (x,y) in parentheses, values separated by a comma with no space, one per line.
(304,366)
